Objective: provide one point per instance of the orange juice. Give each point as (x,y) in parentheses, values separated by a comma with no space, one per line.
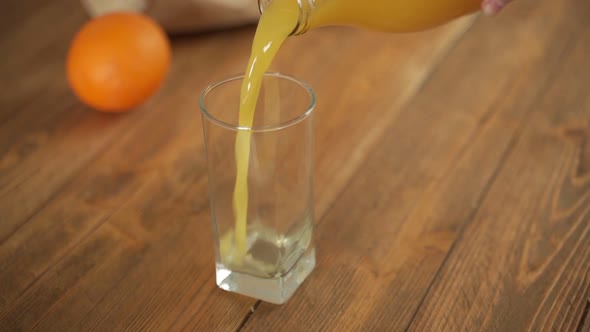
(282,18)
(384,15)
(274,27)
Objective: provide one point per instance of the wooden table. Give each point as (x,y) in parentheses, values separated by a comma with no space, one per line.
(452,181)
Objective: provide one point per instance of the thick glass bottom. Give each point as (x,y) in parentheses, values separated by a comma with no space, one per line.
(277,290)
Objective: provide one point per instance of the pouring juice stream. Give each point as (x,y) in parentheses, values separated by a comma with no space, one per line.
(283,18)
(273,28)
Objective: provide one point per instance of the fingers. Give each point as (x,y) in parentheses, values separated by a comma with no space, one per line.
(491,7)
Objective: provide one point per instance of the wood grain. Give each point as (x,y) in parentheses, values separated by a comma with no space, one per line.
(138,182)
(111,181)
(527,251)
(450,182)
(397,234)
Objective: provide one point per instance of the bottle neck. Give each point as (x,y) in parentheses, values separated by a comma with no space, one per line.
(306,8)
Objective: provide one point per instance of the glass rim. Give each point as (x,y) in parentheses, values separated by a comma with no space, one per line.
(286,124)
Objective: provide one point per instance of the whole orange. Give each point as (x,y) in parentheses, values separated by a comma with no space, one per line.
(117,61)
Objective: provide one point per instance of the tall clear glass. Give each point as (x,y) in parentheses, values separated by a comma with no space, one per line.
(278,254)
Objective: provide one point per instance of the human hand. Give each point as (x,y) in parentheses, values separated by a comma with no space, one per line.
(491,7)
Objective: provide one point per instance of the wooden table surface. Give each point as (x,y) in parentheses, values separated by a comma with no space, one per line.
(452,181)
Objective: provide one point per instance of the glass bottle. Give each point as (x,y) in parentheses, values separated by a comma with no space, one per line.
(380,15)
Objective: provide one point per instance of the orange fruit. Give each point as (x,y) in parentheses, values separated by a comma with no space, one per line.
(117,61)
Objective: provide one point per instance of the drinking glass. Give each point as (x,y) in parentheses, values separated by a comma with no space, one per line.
(268,255)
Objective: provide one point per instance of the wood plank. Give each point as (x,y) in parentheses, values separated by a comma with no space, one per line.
(524,262)
(122,172)
(384,240)
(46,144)
(105,255)
(35,41)
(46,137)
(93,196)
(389,89)
(133,187)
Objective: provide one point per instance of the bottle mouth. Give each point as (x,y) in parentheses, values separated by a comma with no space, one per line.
(262,4)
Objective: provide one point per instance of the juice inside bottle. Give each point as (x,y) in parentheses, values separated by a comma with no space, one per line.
(283,18)
(380,15)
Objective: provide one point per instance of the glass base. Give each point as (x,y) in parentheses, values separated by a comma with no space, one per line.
(273,290)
